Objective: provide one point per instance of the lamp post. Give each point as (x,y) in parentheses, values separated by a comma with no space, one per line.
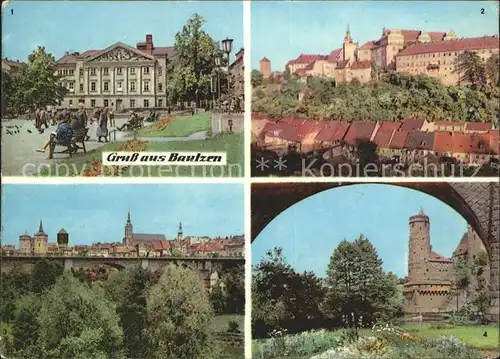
(217,64)
(227,47)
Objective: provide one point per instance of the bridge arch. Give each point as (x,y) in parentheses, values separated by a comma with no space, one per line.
(477,203)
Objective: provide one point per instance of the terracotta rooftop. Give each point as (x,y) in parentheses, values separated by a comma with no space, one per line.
(360,131)
(412,124)
(390,125)
(494,142)
(147,237)
(398,139)
(383,138)
(361,65)
(443,141)
(477,126)
(265,59)
(461,142)
(368,45)
(419,140)
(342,64)
(307,58)
(332,57)
(465,44)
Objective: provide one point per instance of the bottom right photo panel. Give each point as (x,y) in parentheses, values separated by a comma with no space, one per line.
(375,270)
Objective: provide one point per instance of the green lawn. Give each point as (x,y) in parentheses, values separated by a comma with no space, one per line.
(232,144)
(221,322)
(181,126)
(471,336)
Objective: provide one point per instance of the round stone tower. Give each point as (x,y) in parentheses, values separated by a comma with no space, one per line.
(419,246)
(25,243)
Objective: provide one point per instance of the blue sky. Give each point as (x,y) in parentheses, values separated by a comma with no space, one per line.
(78,26)
(310,230)
(281,31)
(97,213)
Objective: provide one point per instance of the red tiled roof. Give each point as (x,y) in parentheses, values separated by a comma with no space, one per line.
(398,140)
(333,131)
(383,138)
(494,142)
(461,142)
(437,36)
(443,141)
(265,59)
(390,125)
(291,133)
(273,129)
(358,65)
(342,64)
(478,126)
(307,58)
(148,237)
(466,44)
(332,57)
(368,45)
(360,131)
(412,124)
(419,140)
(162,51)
(480,143)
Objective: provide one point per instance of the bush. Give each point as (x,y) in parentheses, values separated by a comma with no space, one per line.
(233,327)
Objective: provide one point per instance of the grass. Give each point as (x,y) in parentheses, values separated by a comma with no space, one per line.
(220,324)
(472,336)
(232,144)
(180,126)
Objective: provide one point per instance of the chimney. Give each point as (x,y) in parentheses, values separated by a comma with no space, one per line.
(149,44)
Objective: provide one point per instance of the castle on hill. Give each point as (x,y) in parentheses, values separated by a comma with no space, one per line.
(429,287)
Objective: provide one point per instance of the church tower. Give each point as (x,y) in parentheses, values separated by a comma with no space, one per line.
(40,240)
(179,233)
(127,240)
(348,47)
(419,246)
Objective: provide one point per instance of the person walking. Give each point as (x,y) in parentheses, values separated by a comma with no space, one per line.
(81,119)
(102,126)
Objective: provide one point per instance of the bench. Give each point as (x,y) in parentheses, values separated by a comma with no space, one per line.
(73,147)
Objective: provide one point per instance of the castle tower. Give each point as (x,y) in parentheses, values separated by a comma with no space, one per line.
(62,238)
(179,233)
(419,246)
(127,240)
(348,47)
(40,240)
(265,67)
(25,243)
(347,37)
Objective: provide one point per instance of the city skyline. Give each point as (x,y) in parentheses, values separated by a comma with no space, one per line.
(319,27)
(213,210)
(52,24)
(324,224)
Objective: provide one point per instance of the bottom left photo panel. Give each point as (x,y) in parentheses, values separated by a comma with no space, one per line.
(122,271)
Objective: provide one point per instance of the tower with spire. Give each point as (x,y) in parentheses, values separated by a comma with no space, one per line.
(347,37)
(179,233)
(40,240)
(348,47)
(129,234)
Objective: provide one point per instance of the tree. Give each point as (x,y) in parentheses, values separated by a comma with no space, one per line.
(218,298)
(78,322)
(127,289)
(44,275)
(179,316)
(234,288)
(358,285)
(192,67)
(492,65)
(257,78)
(374,71)
(26,326)
(469,67)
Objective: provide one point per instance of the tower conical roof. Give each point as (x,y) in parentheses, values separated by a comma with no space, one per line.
(40,229)
(62,231)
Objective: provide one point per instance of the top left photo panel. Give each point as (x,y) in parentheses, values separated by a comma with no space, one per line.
(132,89)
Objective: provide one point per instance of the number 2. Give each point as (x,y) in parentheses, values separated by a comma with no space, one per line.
(482,11)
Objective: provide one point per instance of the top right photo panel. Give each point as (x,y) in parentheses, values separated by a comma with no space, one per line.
(375,89)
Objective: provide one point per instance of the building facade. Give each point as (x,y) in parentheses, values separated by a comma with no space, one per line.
(121,77)
(437,59)
(237,69)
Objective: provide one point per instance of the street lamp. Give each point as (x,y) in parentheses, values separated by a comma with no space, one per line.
(227,47)
(217,65)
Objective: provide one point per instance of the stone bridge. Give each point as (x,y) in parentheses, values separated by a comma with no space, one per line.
(477,203)
(200,264)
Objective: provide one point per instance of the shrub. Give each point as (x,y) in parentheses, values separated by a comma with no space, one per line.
(233,327)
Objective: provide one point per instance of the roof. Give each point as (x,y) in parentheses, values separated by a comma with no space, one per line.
(332,57)
(333,131)
(360,65)
(462,245)
(360,131)
(494,142)
(125,46)
(383,138)
(480,143)
(162,51)
(398,139)
(13,63)
(342,64)
(450,124)
(412,124)
(438,257)
(265,59)
(62,231)
(419,140)
(148,237)
(465,44)
(368,45)
(307,58)
(390,125)
(159,245)
(478,126)
(443,141)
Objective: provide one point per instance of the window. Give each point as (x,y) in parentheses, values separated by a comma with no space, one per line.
(92,103)
(146,70)
(106,103)
(146,103)
(71,85)
(105,70)
(92,86)
(160,87)
(81,72)
(132,103)
(70,102)
(92,71)
(106,86)
(159,71)
(160,102)
(132,70)
(81,87)
(132,86)
(146,86)
(119,85)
